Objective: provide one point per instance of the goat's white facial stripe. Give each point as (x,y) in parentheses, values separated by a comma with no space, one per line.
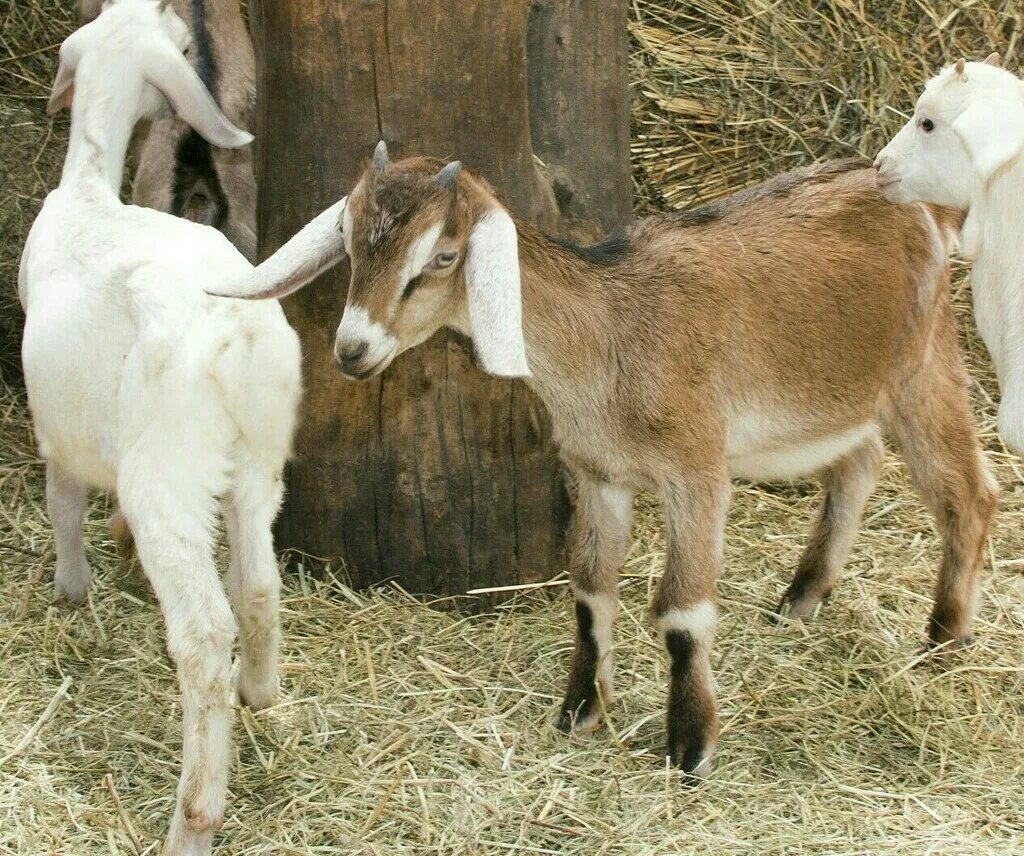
(346,227)
(420,252)
(698,620)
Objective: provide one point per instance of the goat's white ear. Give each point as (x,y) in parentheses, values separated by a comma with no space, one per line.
(993,133)
(494,295)
(317,246)
(63,89)
(168,70)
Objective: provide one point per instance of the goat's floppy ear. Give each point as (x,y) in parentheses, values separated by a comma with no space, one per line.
(493,294)
(992,132)
(63,89)
(317,246)
(168,70)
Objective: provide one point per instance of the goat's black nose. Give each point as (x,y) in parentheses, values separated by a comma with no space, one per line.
(350,354)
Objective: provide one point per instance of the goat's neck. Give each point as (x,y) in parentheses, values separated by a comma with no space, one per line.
(994,228)
(565,320)
(103,115)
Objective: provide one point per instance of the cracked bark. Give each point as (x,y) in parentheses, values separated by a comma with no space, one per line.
(437,476)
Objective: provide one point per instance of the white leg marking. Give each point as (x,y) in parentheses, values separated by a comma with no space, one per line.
(698,620)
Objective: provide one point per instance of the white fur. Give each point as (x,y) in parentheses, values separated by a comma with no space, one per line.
(698,620)
(762,448)
(974,161)
(141,383)
(318,245)
(493,292)
(355,329)
(420,252)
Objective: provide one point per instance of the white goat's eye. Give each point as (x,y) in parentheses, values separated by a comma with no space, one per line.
(927,125)
(445,259)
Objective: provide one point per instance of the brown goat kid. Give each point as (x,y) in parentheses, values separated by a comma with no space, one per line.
(773,335)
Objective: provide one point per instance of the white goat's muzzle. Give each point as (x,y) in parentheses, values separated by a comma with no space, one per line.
(363,348)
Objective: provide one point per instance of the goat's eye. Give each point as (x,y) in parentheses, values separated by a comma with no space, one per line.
(445,259)
(927,125)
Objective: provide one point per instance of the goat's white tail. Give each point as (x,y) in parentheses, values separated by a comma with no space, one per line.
(317,246)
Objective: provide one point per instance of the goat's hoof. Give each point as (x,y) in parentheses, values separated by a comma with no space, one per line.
(802,606)
(582,718)
(258,696)
(694,759)
(121,532)
(186,839)
(71,588)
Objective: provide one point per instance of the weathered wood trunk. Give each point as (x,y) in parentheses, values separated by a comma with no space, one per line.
(434,474)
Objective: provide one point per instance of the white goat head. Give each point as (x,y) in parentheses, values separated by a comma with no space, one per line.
(138,45)
(430,246)
(967,125)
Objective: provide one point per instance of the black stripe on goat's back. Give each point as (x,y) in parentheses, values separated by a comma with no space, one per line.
(776,187)
(607,251)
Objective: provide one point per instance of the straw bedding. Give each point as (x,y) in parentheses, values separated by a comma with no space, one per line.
(403,729)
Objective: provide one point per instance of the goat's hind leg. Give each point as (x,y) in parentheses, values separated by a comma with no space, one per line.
(930,420)
(254,584)
(598,540)
(65,505)
(172,524)
(846,484)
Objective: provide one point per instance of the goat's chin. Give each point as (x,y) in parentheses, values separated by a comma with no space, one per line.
(893,191)
(372,371)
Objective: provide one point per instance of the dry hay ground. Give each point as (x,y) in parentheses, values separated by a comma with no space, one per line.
(402,729)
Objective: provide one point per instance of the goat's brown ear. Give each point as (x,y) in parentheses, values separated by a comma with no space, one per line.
(994,59)
(318,245)
(494,295)
(993,134)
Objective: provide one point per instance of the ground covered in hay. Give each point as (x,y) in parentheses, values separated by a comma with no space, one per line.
(403,729)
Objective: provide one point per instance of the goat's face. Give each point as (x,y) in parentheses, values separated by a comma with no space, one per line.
(136,47)
(423,257)
(968,124)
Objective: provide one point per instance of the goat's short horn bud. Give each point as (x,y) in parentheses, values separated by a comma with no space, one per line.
(447,177)
(380,157)
(994,59)
(961,65)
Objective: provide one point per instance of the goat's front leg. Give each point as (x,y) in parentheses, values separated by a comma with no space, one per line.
(684,606)
(254,584)
(598,538)
(65,504)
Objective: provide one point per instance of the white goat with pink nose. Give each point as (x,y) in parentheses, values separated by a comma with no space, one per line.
(964,148)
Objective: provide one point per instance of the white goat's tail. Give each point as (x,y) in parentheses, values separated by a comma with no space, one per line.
(316,247)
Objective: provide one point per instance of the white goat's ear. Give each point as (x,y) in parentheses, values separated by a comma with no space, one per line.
(993,133)
(63,89)
(493,295)
(315,247)
(168,70)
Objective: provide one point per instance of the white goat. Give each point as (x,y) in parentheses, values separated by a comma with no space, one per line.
(140,383)
(964,148)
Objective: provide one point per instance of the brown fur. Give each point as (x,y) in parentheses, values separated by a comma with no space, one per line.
(793,313)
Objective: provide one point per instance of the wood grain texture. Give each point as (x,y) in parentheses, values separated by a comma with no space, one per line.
(433,474)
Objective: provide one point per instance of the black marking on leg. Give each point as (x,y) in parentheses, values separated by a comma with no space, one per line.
(687,703)
(581,694)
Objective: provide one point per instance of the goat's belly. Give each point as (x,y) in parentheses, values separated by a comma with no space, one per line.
(72,382)
(782,461)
